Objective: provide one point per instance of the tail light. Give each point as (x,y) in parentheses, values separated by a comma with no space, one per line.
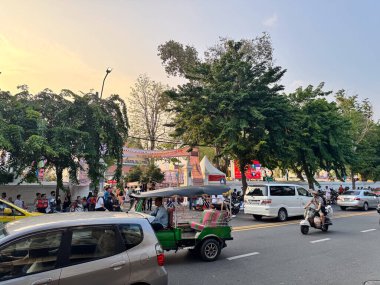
(266,202)
(357,199)
(160,255)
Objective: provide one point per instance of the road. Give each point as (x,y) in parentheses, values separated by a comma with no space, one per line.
(268,252)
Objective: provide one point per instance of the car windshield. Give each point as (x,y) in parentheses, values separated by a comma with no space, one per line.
(256,191)
(3,232)
(352,193)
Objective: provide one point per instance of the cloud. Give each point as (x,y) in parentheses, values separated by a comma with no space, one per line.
(271,21)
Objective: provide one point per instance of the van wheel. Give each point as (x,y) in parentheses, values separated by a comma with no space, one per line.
(210,250)
(257,217)
(282,215)
(365,206)
(343,208)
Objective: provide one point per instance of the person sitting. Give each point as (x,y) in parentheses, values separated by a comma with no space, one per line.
(161,215)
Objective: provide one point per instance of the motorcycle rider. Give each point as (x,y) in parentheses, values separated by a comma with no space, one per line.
(318,203)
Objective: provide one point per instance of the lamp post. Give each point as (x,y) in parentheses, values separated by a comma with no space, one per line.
(109,69)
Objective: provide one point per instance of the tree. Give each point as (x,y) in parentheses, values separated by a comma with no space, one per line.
(147,110)
(321,139)
(360,116)
(229,103)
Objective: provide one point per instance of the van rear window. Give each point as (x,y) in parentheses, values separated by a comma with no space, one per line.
(256,191)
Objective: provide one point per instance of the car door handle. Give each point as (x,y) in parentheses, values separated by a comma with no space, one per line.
(118,265)
(43,281)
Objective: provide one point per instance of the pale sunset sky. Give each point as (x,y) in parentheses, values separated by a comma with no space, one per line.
(69,44)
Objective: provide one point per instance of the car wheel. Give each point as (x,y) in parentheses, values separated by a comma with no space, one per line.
(304,230)
(343,208)
(365,206)
(210,250)
(325,228)
(257,217)
(282,215)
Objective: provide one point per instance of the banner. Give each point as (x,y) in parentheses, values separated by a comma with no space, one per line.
(252,172)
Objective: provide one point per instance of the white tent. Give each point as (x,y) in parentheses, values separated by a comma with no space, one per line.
(210,173)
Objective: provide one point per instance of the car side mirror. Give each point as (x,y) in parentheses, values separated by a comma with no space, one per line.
(8,212)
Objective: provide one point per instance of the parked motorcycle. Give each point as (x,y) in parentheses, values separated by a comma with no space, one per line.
(334,197)
(312,219)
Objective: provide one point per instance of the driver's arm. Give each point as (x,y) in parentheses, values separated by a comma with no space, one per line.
(308,204)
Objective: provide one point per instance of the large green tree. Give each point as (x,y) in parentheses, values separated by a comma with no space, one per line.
(231,101)
(321,139)
(363,133)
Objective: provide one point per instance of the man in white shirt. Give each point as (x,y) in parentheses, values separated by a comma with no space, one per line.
(18,202)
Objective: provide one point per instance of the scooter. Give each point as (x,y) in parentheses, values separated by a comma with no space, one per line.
(235,205)
(312,219)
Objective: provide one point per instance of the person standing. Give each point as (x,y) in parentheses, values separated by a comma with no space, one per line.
(52,203)
(58,207)
(42,204)
(66,204)
(18,202)
(341,189)
(100,202)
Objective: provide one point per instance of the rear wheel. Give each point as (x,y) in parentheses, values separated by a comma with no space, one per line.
(282,215)
(257,217)
(235,211)
(343,208)
(325,228)
(210,250)
(365,206)
(304,230)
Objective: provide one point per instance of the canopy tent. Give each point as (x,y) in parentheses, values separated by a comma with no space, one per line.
(189,191)
(210,172)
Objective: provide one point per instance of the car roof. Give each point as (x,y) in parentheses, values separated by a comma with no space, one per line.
(185,191)
(276,184)
(63,220)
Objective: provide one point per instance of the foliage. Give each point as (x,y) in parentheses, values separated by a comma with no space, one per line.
(147,111)
(230,103)
(321,139)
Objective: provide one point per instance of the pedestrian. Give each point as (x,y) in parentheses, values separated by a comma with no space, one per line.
(115,203)
(91,201)
(150,203)
(4,196)
(328,194)
(341,189)
(18,202)
(38,196)
(58,207)
(52,203)
(42,204)
(84,204)
(66,204)
(100,202)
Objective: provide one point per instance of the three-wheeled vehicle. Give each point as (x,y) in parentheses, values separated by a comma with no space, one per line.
(204,236)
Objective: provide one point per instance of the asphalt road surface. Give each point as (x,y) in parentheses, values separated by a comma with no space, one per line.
(269,252)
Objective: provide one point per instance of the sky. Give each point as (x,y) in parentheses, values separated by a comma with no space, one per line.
(69,44)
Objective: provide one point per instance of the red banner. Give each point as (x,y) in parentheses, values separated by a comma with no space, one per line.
(253,171)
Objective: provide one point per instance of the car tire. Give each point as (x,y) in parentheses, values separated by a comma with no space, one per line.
(365,206)
(343,208)
(282,215)
(210,250)
(257,217)
(304,230)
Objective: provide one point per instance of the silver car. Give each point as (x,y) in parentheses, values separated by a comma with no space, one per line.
(81,248)
(363,199)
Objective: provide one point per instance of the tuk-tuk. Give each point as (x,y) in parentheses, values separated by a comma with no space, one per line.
(204,236)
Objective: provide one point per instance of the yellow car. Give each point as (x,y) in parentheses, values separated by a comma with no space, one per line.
(10,212)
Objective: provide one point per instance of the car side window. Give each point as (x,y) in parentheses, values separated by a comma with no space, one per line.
(282,191)
(132,235)
(34,254)
(303,192)
(88,244)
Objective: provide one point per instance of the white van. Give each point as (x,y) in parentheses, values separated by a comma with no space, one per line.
(275,200)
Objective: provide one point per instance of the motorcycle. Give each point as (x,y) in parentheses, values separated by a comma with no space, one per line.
(235,205)
(312,219)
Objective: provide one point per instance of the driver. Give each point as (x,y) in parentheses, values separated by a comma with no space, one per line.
(317,201)
(161,216)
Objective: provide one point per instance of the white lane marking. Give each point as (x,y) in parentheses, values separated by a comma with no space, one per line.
(243,255)
(370,230)
(320,240)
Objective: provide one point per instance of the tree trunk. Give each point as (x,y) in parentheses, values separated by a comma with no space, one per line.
(243,178)
(59,174)
(353,180)
(298,173)
(310,177)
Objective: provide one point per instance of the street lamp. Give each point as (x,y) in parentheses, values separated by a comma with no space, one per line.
(109,69)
